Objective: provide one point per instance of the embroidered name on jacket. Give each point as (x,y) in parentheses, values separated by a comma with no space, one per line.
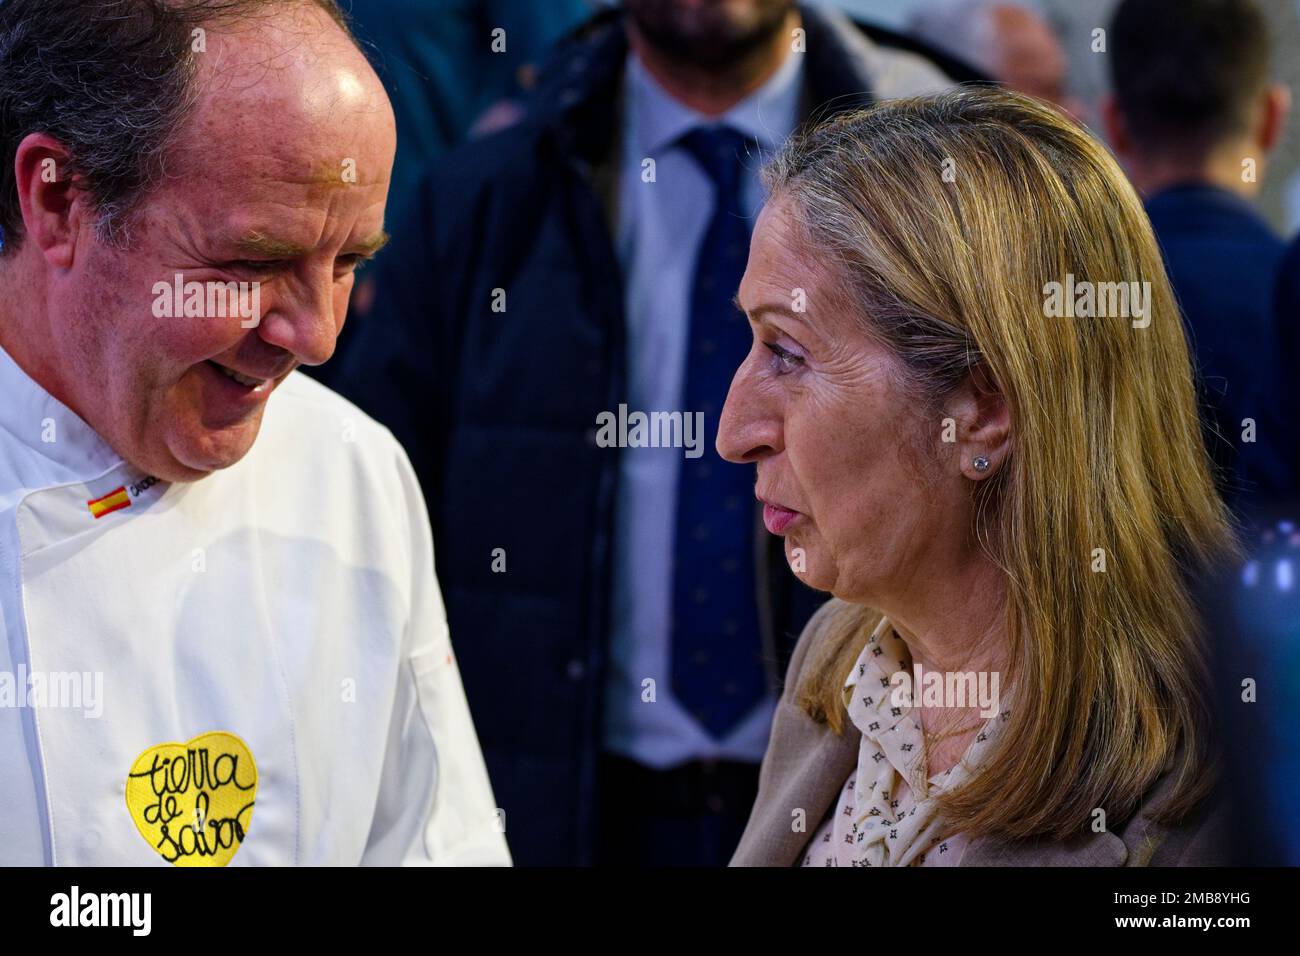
(118,498)
(193,802)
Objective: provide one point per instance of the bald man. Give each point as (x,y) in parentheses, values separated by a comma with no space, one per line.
(1007,41)
(224,642)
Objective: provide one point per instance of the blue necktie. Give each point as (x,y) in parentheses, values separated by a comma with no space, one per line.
(716,649)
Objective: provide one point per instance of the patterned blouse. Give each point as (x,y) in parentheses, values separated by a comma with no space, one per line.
(878,820)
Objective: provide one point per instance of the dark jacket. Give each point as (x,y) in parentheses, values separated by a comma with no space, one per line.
(1223,262)
(1286,327)
(498,412)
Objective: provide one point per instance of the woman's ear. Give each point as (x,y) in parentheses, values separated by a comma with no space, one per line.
(983,425)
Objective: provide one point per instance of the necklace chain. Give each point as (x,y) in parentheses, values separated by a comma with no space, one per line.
(935,737)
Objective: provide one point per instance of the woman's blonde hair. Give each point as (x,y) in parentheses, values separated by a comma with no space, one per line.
(944,218)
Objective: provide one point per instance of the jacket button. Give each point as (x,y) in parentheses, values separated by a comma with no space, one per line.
(576,670)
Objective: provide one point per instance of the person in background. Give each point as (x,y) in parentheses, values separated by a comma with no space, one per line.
(453,69)
(1008,41)
(1193,116)
(1286,326)
(629,630)
(445,65)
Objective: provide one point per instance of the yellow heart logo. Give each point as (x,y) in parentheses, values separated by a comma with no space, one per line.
(193,802)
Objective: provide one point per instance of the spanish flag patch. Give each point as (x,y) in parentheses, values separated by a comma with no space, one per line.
(115,500)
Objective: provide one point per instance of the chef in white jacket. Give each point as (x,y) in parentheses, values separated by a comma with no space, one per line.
(223,641)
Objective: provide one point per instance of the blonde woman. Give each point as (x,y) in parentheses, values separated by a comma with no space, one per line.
(999,477)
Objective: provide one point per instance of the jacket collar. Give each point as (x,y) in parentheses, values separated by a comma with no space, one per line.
(1197,195)
(36,420)
(824,763)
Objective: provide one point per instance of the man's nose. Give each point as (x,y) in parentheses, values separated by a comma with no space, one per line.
(750,426)
(303,321)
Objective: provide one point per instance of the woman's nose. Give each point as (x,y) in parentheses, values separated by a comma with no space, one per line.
(750,426)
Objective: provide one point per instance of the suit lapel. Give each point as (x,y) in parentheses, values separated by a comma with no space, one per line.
(801,781)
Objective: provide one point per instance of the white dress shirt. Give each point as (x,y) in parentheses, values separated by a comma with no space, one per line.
(278,623)
(661,226)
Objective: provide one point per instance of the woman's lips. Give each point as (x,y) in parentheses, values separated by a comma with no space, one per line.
(776,519)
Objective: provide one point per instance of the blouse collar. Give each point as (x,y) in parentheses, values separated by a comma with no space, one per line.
(877,708)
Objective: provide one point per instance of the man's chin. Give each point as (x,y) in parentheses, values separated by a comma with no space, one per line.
(197,454)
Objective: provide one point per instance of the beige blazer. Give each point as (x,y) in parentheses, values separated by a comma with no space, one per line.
(806,765)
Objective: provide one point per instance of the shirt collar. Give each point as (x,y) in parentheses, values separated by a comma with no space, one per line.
(34,418)
(657,120)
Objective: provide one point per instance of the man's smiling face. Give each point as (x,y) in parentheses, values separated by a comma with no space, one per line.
(278,176)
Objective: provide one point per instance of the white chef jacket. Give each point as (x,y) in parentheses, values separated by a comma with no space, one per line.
(284,610)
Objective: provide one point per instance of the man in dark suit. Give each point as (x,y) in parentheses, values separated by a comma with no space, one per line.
(1193,117)
(1286,323)
(620,625)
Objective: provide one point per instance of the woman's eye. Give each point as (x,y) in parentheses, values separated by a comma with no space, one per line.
(787,361)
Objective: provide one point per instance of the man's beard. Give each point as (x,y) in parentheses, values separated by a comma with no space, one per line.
(705,35)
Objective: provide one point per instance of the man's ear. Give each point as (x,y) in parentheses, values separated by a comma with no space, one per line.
(1112,121)
(51,205)
(983,424)
(1275,103)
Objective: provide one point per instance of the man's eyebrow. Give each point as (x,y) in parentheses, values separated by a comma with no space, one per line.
(368,247)
(257,244)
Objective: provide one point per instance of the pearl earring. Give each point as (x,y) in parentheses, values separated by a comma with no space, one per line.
(981,464)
